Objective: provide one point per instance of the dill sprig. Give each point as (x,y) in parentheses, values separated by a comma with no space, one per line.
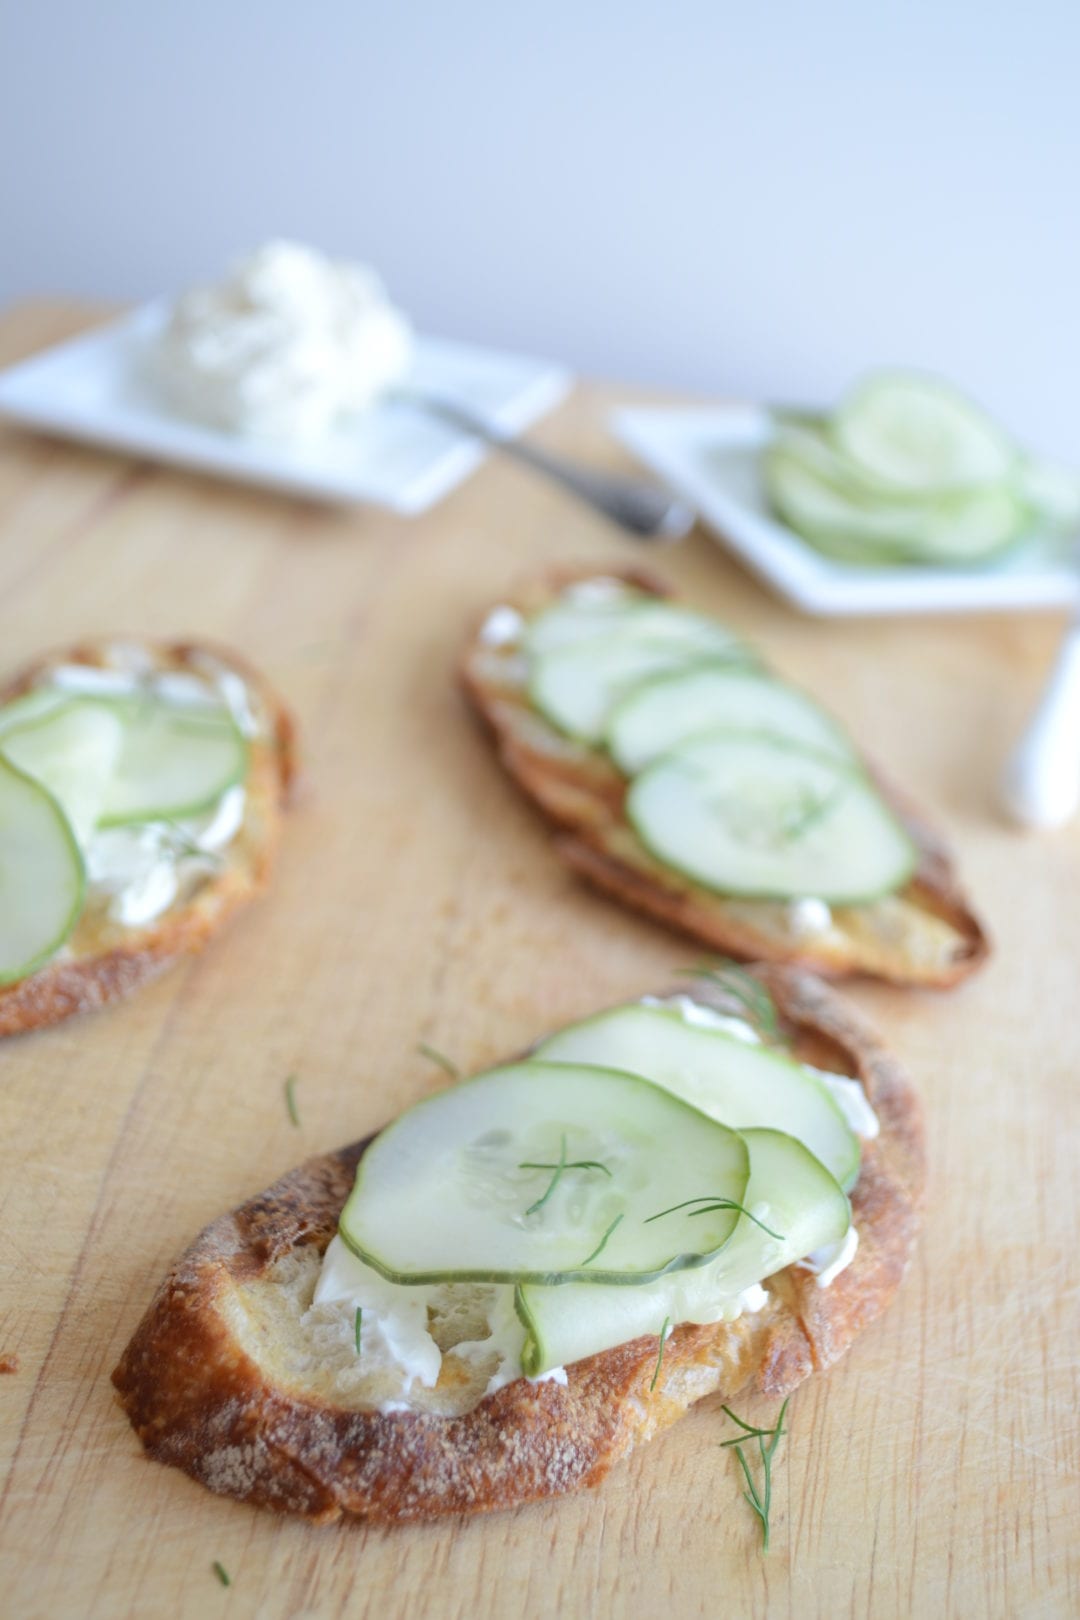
(560,1170)
(660,1358)
(708,1205)
(809,810)
(760,1499)
(290,1099)
(589,1258)
(222,1573)
(433,1055)
(359,1322)
(748,995)
(183,846)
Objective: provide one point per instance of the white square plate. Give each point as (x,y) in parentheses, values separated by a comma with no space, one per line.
(100,388)
(711,457)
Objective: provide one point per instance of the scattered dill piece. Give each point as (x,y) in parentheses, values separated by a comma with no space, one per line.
(759,1497)
(359,1321)
(290,1099)
(222,1573)
(435,1056)
(708,1205)
(660,1357)
(602,1245)
(748,995)
(560,1169)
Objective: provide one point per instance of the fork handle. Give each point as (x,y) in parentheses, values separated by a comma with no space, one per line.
(643,509)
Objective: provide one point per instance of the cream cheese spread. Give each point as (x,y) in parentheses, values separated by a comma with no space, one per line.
(829,1262)
(395,1336)
(600,591)
(285,346)
(141,870)
(851,1099)
(502,627)
(395,1339)
(847,1093)
(809,916)
(702,1017)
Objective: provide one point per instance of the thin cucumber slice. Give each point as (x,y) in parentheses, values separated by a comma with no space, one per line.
(577,685)
(72,749)
(39,700)
(1052,493)
(671,708)
(467,1185)
(42,878)
(750,816)
(591,608)
(176,760)
(860,527)
(812,446)
(920,435)
(789,1190)
(730,1080)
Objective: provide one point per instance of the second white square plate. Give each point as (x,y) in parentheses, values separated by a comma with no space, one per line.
(100,388)
(710,455)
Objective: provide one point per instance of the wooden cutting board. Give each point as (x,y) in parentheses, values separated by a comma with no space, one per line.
(936,1471)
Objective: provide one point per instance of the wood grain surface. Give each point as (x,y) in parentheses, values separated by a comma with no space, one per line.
(935,1472)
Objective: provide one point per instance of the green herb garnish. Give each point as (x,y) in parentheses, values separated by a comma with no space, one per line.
(182,845)
(603,1242)
(222,1573)
(768,1440)
(290,1099)
(435,1056)
(749,995)
(810,810)
(359,1320)
(708,1204)
(660,1357)
(560,1170)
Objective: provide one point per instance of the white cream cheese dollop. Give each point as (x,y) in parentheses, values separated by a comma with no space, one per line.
(808,917)
(289,342)
(502,627)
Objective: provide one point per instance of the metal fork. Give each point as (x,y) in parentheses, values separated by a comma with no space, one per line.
(644,510)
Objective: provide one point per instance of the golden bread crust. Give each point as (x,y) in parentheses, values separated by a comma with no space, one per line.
(579,790)
(101,962)
(204,1402)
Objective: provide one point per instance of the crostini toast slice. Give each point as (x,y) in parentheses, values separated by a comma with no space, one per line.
(925,934)
(233,1376)
(104,959)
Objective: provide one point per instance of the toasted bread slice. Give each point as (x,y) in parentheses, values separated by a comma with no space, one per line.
(926,934)
(234,1378)
(102,959)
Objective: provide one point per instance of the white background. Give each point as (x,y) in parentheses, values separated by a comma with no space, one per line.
(749,198)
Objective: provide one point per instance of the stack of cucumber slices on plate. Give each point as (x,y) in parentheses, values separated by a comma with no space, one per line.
(907,470)
(737,780)
(73,765)
(638,1170)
